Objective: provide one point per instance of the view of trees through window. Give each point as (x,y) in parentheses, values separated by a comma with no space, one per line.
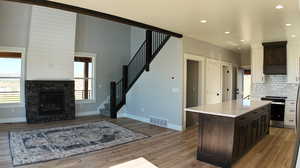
(83,76)
(10,77)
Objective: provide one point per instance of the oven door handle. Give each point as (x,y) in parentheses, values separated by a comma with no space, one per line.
(278,103)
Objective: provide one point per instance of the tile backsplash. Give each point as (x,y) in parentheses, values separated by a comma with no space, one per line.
(275,85)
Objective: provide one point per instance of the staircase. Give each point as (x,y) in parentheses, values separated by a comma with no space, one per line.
(139,63)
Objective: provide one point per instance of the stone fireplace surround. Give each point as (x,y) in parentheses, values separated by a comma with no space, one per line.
(41,107)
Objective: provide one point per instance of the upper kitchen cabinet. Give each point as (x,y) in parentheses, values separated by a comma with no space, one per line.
(293,54)
(257,59)
(275,58)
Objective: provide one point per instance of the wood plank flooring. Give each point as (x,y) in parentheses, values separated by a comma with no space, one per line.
(166,148)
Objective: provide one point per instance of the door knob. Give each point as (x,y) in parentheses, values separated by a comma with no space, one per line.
(218,94)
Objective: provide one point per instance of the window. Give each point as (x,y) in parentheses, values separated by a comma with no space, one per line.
(10,77)
(84,77)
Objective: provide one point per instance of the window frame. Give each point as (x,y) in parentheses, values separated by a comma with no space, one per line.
(22,77)
(93,57)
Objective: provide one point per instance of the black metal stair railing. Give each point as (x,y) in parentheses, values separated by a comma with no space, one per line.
(138,64)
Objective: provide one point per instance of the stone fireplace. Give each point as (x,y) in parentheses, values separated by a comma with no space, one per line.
(49,101)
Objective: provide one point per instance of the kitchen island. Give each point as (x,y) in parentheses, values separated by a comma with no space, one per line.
(230,129)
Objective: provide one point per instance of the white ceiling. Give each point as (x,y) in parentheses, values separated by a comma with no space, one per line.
(250,20)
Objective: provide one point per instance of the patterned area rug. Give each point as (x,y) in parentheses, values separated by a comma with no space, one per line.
(41,145)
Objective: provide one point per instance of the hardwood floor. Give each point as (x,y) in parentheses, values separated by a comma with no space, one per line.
(165,148)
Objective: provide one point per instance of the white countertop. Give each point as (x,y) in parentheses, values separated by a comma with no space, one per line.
(233,108)
(137,163)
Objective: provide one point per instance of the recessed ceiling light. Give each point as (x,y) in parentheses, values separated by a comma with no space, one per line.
(203,21)
(242,40)
(288,24)
(227,32)
(293,36)
(279,7)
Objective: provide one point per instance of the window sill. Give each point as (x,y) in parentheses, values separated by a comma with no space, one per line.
(11,105)
(85,101)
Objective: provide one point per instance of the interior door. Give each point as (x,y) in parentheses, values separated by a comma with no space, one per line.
(192,90)
(226,83)
(192,83)
(213,82)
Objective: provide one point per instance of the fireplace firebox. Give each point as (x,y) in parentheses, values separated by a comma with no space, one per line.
(52,102)
(49,101)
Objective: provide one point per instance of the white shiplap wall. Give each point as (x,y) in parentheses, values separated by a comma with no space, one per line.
(51,44)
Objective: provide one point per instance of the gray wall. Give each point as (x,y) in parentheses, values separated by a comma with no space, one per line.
(14,29)
(205,49)
(138,36)
(14,24)
(111,42)
(246,57)
(156,94)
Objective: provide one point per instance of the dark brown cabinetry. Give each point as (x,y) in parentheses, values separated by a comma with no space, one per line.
(223,140)
(275,58)
(250,129)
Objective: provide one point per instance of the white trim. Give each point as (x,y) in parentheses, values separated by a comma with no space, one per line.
(122,112)
(193,57)
(13,120)
(23,74)
(12,49)
(93,56)
(122,115)
(225,63)
(297,70)
(147,120)
(89,101)
(85,54)
(88,113)
(198,59)
(12,105)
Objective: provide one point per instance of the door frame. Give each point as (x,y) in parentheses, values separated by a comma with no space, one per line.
(240,81)
(237,69)
(201,80)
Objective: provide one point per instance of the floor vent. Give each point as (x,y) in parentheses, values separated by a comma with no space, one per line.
(159,122)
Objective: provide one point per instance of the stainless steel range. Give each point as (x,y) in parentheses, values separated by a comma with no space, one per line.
(277,110)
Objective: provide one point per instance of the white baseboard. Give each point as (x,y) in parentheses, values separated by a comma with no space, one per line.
(122,112)
(13,120)
(147,120)
(289,126)
(88,113)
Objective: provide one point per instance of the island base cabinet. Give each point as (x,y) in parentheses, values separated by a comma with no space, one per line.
(249,130)
(215,136)
(224,140)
